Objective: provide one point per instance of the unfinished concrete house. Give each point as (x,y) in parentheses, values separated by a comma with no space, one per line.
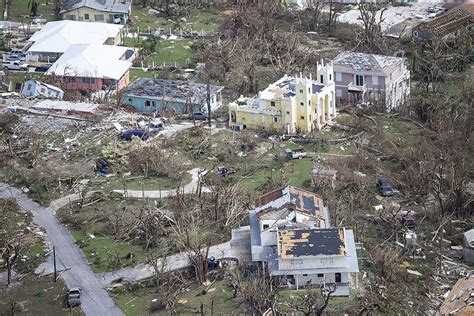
(361,78)
(291,236)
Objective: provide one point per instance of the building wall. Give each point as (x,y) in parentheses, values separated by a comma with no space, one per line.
(90,15)
(312,263)
(303,112)
(394,89)
(77,83)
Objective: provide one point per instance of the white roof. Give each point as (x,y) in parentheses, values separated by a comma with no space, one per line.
(93,61)
(56,37)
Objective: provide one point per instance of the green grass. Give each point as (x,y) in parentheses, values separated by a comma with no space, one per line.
(106,254)
(36,297)
(138,302)
(337,304)
(136,73)
(20,8)
(207,21)
(177,52)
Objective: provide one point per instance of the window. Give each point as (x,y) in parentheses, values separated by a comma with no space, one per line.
(305,275)
(275,119)
(301,103)
(320,275)
(309,90)
(147,103)
(28,87)
(338,76)
(296,261)
(71,17)
(310,117)
(71,79)
(129,99)
(338,278)
(252,117)
(338,93)
(301,90)
(88,80)
(375,80)
(322,78)
(309,102)
(266,226)
(359,80)
(302,117)
(99,17)
(330,77)
(86,16)
(272,103)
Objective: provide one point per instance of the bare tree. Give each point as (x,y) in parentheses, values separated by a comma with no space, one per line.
(313,301)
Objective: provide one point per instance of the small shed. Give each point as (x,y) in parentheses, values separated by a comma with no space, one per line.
(35,88)
(321,177)
(468,251)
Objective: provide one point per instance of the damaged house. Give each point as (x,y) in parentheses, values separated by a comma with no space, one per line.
(291,235)
(290,105)
(35,88)
(110,11)
(153,94)
(362,77)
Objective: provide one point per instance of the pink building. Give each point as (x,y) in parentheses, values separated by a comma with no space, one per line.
(93,67)
(361,77)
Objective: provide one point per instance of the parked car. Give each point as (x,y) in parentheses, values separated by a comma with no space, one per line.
(223,171)
(295,153)
(156,125)
(385,187)
(213,263)
(16,66)
(18,52)
(199,116)
(135,132)
(14,57)
(43,68)
(409,221)
(73,297)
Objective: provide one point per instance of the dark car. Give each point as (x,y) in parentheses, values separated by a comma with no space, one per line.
(385,187)
(135,132)
(223,171)
(43,68)
(213,263)
(200,115)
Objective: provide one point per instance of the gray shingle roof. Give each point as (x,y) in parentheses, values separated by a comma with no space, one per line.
(366,62)
(118,6)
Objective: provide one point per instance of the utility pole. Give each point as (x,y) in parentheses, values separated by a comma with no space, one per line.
(54,262)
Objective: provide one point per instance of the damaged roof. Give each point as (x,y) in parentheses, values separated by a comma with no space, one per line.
(119,6)
(293,243)
(171,90)
(457,18)
(367,62)
(290,198)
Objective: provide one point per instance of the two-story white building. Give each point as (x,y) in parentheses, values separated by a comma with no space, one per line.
(291,235)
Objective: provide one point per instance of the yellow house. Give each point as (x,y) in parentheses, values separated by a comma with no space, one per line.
(110,11)
(291,105)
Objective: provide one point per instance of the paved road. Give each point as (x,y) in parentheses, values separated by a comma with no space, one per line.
(95,299)
(187,189)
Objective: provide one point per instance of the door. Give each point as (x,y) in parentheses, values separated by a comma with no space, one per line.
(338,278)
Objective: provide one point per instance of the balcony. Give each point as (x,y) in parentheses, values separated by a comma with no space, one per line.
(351,87)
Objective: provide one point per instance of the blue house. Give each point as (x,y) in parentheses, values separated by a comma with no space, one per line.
(153,94)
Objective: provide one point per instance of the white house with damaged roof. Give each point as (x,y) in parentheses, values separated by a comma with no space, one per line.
(110,11)
(153,94)
(361,77)
(292,237)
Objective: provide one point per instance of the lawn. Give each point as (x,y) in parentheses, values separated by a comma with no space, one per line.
(176,52)
(104,253)
(19,9)
(138,302)
(36,296)
(206,21)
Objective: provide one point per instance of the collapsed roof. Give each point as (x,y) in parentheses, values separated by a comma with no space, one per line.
(171,90)
(457,18)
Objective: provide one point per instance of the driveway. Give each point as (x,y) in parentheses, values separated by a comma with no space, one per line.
(189,188)
(238,247)
(95,299)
